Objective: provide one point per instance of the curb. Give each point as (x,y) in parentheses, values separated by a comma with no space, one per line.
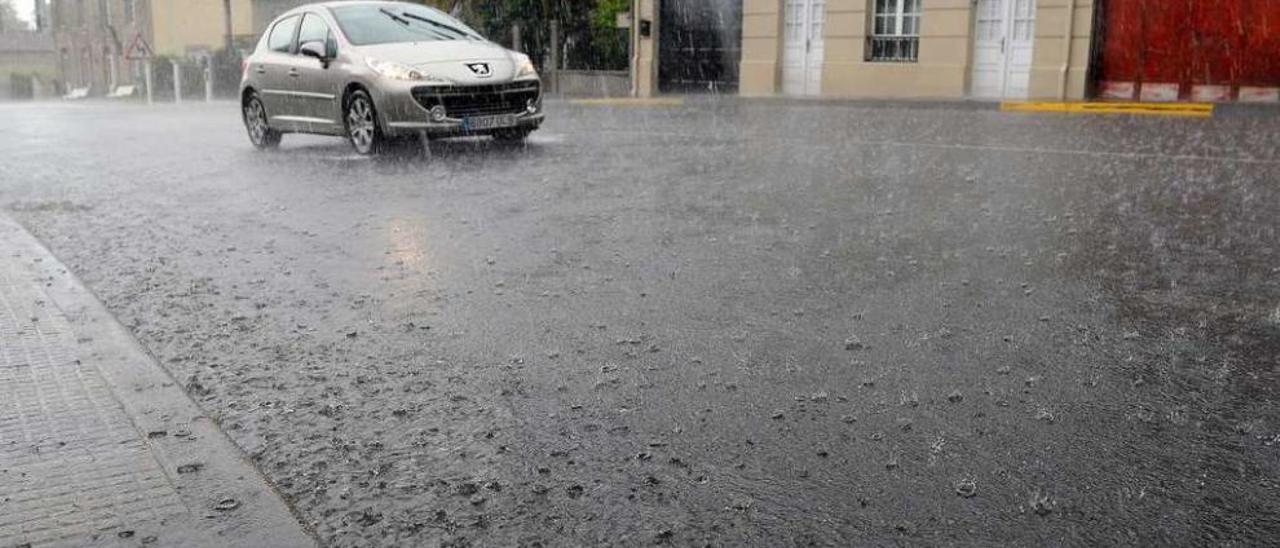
(1195,110)
(885,103)
(208,491)
(1190,110)
(780,100)
(707,100)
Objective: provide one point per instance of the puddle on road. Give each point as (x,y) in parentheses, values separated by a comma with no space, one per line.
(546,138)
(345,158)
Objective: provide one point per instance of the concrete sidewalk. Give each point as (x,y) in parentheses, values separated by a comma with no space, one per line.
(98,445)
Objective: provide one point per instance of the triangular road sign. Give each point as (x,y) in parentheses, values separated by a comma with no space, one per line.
(138,49)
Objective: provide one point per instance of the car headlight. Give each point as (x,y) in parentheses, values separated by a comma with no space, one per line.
(524,67)
(397,71)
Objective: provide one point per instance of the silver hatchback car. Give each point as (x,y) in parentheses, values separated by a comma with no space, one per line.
(377,71)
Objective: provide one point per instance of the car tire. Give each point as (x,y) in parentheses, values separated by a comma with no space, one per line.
(360,118)
(255,123)
(511,136)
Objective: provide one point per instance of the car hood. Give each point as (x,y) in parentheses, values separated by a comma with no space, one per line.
(450,59)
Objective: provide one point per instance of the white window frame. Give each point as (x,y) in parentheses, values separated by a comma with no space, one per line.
(906,46)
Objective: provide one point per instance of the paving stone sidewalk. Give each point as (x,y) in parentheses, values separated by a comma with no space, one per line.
(98,445)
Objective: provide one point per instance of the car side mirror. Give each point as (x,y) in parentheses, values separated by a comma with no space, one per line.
(316,50)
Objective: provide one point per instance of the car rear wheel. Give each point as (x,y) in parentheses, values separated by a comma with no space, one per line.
(255,122)
(362,124)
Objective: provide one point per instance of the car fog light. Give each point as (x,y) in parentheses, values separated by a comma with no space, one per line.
(438,113)
(531,106)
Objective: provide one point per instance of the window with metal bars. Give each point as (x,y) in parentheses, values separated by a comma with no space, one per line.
(895,31)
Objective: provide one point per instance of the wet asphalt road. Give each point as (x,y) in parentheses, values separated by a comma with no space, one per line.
(722,324)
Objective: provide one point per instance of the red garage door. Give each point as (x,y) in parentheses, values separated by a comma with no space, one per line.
(1197,50)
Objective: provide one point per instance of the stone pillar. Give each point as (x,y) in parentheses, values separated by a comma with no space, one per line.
(645,48)
(553,64)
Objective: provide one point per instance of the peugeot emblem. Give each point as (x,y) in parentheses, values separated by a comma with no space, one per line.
(481,70)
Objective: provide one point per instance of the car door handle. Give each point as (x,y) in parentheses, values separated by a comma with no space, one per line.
(294,72)
(261,69)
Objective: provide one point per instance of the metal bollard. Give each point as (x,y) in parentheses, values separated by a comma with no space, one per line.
(149,79)
(177,83)
(208,80)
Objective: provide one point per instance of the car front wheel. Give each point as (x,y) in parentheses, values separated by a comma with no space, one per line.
(255,122)
(362,124)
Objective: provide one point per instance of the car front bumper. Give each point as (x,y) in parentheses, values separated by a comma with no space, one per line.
(403,111)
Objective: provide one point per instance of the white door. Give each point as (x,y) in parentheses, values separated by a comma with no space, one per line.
(803,47)
(1004,31)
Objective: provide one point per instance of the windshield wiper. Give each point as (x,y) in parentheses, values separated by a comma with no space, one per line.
(450,28)
(394,17)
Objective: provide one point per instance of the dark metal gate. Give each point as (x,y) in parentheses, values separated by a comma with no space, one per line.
(700,45)
(1199,50)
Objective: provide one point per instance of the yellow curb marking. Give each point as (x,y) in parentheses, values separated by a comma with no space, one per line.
(633,101)
(1194,110)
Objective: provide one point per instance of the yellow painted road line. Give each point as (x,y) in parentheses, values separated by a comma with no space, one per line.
(1194,110)
(632,101)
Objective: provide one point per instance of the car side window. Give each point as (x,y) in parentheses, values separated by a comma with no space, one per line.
(281,39)
(314,29)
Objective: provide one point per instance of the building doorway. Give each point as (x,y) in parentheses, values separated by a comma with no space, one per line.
(803,47)
(1003,39)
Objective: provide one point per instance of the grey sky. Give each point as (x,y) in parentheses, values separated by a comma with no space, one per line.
(25,9)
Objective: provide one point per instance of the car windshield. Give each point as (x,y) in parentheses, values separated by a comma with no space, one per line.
(369,24)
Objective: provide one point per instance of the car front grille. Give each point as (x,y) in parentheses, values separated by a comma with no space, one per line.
(463,101)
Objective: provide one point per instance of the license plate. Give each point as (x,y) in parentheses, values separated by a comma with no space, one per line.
(488,122)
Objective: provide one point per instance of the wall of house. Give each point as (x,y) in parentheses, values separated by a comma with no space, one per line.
(88,52)
(944,63)
(127,28)
(941,70)
(27,56)
(761,70)
(91,43)
(182,25)
(1061,67)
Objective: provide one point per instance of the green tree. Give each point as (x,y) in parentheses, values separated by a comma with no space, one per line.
(444,5)
(609,43)
(588,37)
